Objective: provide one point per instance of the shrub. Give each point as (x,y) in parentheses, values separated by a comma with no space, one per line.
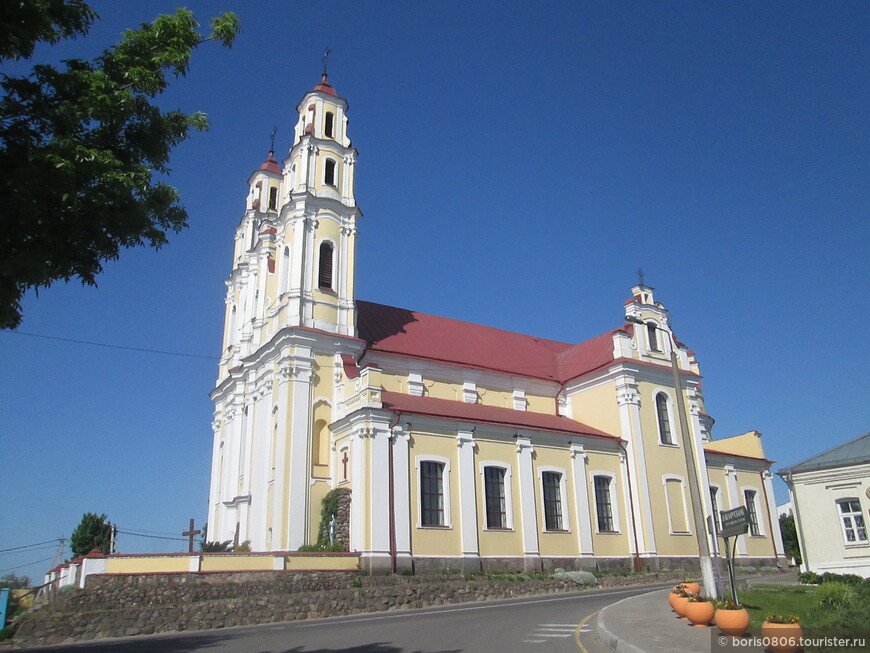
(582,578)
(810,578)
(835,594)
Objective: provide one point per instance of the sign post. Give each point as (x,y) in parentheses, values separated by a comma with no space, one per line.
(734,524)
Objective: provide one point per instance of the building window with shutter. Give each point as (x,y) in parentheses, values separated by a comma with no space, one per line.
(324,279)
(329,124)
(273,199)
(494,489)
(749,497)
(651,336)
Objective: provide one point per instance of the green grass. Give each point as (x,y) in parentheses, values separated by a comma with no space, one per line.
(817,607)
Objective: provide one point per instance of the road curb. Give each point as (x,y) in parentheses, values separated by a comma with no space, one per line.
(608,637)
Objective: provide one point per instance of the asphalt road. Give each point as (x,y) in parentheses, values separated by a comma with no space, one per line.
(551,624)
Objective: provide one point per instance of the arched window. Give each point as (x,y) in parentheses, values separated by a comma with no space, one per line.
(651,336)
(320,444)
(273,199)
(328,124)
(324,279)
(329,174)
(664,420)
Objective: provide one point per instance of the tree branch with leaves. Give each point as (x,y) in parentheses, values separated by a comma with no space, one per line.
(81,145)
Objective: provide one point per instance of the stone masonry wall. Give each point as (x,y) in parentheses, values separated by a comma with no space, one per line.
(119,606)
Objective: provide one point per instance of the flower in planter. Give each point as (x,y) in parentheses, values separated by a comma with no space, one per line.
(696,598)
(728,604)
(782,619)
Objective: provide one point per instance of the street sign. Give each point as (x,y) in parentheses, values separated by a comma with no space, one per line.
(734,522)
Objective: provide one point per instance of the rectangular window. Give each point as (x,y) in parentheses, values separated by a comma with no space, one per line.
(273,199)
(552,501)
(432,493)
(749,497)
(603,505)
(496,514)
(854,529)
(714,501)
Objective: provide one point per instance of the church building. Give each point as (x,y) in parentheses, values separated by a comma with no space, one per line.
(462,446)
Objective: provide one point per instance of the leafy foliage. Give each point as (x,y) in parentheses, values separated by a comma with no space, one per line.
(789,537)
(80,145)
(93,532)
(216,547)
(14,582)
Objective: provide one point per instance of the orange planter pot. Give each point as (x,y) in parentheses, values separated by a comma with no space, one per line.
(671,600)
(694,588)
(787,637)
(680,604)
(733,623)
(700,613)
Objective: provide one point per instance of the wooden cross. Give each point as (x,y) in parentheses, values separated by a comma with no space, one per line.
(190,534)
(344,464)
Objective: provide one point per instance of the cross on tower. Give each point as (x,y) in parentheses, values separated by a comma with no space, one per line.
(190,534)
(344,460)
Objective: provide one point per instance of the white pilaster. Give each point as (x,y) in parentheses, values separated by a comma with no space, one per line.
(528,511)
(358,505)
(734,500)
(467,494)
(379,490)
(581,500)
(770,505)
(300,402)
(632,522)
(401,492)
(280,491)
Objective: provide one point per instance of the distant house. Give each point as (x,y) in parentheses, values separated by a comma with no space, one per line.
(830,494)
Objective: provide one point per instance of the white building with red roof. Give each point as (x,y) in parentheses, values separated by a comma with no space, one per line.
(457,446)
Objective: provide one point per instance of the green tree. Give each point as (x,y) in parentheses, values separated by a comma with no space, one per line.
(14,582)
(93,532)
(81,143)
(789,537)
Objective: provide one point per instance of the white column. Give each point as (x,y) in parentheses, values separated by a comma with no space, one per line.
(628,400)
(773,519)
(215,484)
(358,484)
(300,403)
(279,487)
(379,492)
(309,273)
(581,500)
(528,511)
(632,523)
(401,493)
(260,466)
(467,495)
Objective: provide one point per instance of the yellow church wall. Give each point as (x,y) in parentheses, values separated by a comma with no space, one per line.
(555,543)
(494,397)
(434,540)
(144,565)
(597,407)
(757,545)
(325,312)
(442,390)
(394,383)
(498,543)
(539,404)
(237,563)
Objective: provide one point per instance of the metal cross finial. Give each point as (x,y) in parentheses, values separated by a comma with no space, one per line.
(640,276)
(274,131)
(326,58)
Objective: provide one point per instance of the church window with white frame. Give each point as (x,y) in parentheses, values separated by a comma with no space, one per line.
(652,336)
(329,124)
(852,521)
(432,497)
(551,485)
(663,418)
(495,496)
(329,172)
(749,497)
(603,504)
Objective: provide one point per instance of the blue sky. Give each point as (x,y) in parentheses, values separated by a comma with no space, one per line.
(518,162)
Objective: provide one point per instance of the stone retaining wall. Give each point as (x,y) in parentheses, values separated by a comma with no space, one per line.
(119,606)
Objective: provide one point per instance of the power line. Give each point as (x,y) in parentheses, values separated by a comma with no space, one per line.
(103,344)
(29,550)
(154,537)
(27,564)
(27,546)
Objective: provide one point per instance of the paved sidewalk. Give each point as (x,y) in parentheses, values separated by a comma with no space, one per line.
(646,624)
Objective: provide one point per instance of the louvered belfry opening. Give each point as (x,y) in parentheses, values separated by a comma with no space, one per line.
(325,276)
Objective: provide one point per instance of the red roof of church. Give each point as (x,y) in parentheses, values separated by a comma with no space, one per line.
(270,164)
(324,87)
(392,330)
(479,413)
